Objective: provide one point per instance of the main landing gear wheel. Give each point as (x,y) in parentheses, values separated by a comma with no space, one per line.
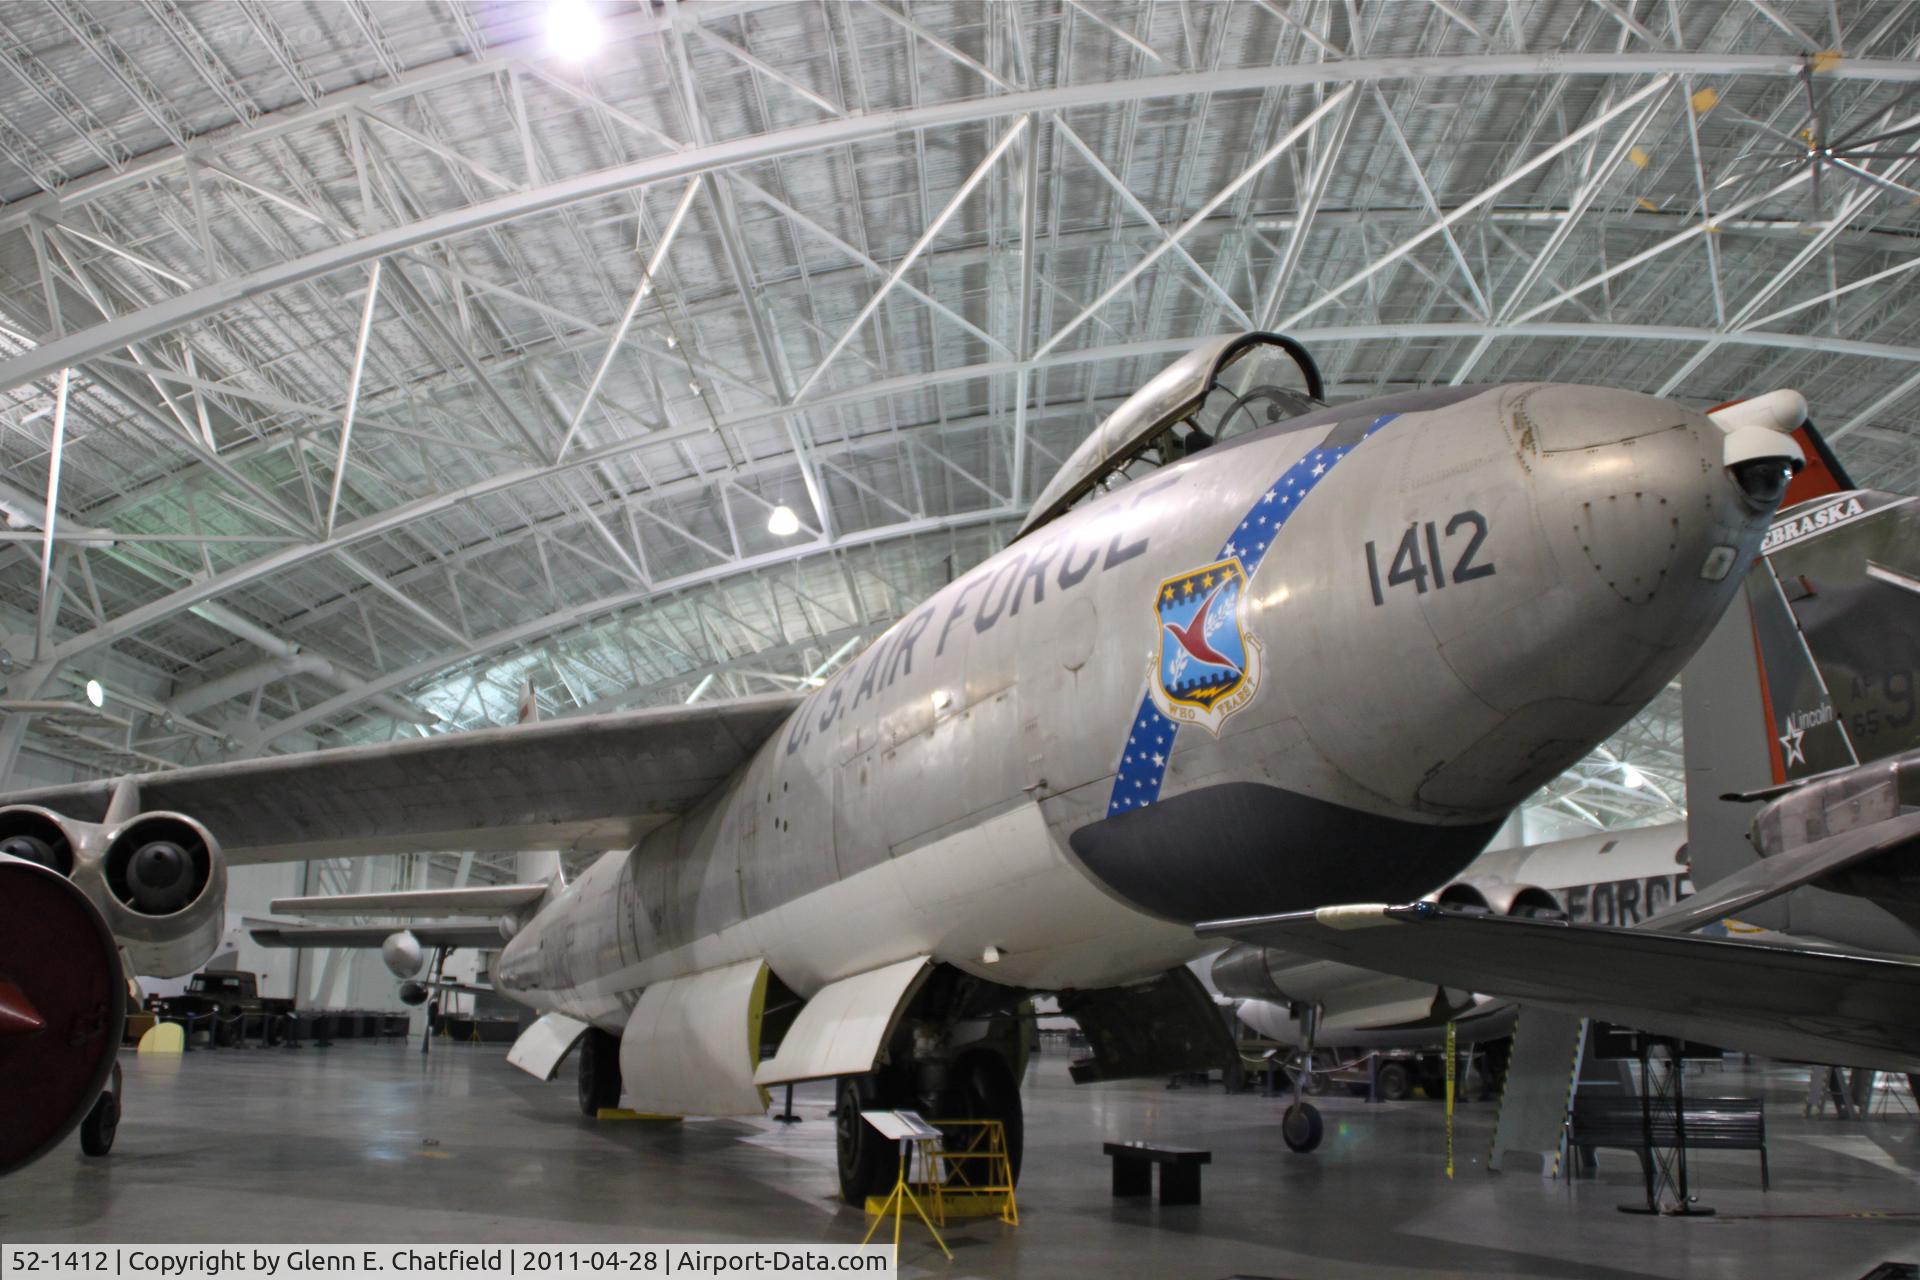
(983,1088)
(599,1072)
(868,1163)
(97,1130)
(1302,1127)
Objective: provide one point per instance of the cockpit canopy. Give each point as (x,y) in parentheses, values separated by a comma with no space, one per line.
(1224,387)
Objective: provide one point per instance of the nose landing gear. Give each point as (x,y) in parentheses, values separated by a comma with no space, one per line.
(1300,1125)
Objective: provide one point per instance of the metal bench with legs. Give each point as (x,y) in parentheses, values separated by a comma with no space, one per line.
(1179,1170)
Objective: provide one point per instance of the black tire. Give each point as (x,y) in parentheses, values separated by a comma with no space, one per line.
(102,1122)
(983,1088)
(599,1072)
(867,1162)
(1301,1127)
(1393,1082)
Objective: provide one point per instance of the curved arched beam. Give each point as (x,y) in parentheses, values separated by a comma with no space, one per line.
(288,556)
(195,304)
(535,628)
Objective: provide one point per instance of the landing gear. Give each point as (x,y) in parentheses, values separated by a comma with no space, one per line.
(103,1121)
(957,1053)
(599,1071)
(1300,1126)
(868,1162)
(983,1088)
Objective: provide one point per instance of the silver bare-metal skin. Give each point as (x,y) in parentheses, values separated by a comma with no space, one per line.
(1308,664)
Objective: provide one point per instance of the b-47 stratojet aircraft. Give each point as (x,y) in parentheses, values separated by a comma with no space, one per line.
(1248,653)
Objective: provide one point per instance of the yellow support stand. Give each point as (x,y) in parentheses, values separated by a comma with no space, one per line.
(902,1195)
(968,1173)
(628,1113)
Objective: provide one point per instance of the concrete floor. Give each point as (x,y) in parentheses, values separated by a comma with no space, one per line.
(369,1142)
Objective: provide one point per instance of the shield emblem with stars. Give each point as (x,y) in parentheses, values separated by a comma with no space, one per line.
(1207,665)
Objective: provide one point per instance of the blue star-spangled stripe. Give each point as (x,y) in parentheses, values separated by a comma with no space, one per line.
(1143,761)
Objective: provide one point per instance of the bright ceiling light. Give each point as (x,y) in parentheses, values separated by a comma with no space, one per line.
(573,29)
(1633,777)
(95,694)
(783,523)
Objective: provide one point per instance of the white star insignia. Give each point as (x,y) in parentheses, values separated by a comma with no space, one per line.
(1159,759)
(1795,748)
(1320,470)
(1271,495)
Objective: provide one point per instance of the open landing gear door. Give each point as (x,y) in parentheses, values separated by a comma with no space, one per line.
(541,1046)
(691,1044)
(1156,1028)
(846,1024)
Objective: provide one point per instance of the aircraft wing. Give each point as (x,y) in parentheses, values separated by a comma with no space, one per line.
(482,934)
(594,782)
(1789,1002)
(1780,872)
(492,899)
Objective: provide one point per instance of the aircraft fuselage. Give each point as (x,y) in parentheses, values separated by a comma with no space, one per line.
(1317,663)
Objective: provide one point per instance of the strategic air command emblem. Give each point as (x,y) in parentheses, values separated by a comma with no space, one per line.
(1208,664)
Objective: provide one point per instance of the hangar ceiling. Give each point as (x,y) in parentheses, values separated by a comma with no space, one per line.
(408,360)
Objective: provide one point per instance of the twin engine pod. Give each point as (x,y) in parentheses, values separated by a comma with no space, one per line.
(158,879)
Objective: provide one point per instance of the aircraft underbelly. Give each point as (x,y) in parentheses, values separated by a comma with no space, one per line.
(998,899)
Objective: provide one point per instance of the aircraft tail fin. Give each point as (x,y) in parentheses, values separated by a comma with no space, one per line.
(538,866)
(1815,667)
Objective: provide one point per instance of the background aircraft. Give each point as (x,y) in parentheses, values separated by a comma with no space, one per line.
(1614,877)
(1432,603)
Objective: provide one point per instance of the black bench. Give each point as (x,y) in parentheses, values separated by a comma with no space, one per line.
(1179,1170)
(1712,1124)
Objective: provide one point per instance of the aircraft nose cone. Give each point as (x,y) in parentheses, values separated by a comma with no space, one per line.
(1642,505)
(1642,532)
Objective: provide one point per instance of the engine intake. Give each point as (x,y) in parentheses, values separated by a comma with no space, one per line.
(159,864)
(161,883)
(1491,896)
(37,835)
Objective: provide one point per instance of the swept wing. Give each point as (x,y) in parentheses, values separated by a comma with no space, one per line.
(1799,1002)
(595,782)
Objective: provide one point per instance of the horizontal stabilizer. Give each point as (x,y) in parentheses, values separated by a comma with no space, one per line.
(493,899)
(1787,870)
(483,934)
(1783,1001)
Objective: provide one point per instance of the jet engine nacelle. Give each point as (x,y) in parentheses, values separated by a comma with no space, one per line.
(1344,993)
(158,879)
(1498,897)
(403,954)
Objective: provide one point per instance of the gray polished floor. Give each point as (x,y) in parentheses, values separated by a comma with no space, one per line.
(367,1142)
